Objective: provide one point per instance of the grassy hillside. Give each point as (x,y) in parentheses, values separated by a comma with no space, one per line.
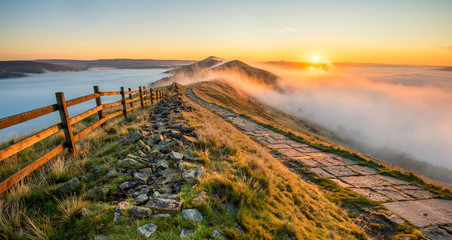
(270,202)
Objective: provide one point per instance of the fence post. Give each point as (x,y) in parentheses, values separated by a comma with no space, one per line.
(141,96)
(144,95)
(124,105)
(100,113)
(130,97)
(152,96)
(62,108)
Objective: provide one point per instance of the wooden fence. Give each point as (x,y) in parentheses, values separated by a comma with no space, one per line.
(142,97)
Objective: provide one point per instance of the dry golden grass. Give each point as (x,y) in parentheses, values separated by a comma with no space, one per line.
(272,200)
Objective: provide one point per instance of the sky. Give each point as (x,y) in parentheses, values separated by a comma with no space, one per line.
(396,31)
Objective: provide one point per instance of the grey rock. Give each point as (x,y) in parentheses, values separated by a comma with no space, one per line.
(111,172)
(164,205)
(176,156)
(187,233)
(85,212)
(126,185)
(189,140)
(147,149)
(145,190)
(200,198)
(147,230)
(165,196)
(192,214)
(140,212)
(181,165)
(193,175)
(192,158)
(145,170)
(128,162)
(158,138)
(143,177)
(141,153)
(216,234)
(230,208)
(131,156)
(104,191)
(116,216)
(140,199)
(97,169)
(100,237)
(162,164)
(131,137)
(141,144)
(69,185)
(239,229)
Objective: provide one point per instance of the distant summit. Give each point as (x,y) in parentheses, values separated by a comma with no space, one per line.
(215,65)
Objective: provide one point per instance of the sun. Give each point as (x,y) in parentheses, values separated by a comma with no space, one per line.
(315,59)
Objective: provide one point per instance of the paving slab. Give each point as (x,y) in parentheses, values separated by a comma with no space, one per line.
(307,150)
(346,160)
(321,173)
(291,152)
(374,196)
(339,171)
(392,193)
(415,191)
(280,146)
(392,180)
(436,233)
(363,170)
(364,181)
(308,161)
(297,144)
(325,159)
(341,183)
(424,212)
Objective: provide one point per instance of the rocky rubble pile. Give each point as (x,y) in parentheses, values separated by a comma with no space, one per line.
(161,163)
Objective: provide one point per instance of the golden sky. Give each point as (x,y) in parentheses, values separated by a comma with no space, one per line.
(402,32)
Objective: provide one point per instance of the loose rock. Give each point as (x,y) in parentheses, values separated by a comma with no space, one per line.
(140,212)
(69,185)
(192,214)
(147,230)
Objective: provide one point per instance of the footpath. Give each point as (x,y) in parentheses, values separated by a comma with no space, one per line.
(433,216)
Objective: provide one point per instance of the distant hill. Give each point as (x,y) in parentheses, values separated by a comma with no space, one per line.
(215,65)
(446,69)
(122,63)
(10,69)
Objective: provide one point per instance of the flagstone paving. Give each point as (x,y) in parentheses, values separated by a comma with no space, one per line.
(415,204)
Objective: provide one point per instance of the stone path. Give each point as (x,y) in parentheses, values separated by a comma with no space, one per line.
(432,216)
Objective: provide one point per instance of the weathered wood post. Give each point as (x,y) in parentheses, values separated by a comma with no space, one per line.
(144,90)
(65,122)
(124,105)
(100,113)
(130,98)
(152,96)
(141,97)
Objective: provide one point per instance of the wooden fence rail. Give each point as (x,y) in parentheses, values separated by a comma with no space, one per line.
(142,97)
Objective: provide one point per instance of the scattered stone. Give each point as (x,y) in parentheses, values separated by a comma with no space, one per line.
(140,212)
(165,196)
(69,186)
(163,148)
(164,205)
(146,170)
(141,144)
(239,229)
(97,169)
(202,197)
(181,165)
(85,212)
(104,191)
(140,176)
(162,164)
(100,237)
(216,234)
(230,208)
(127,185)
(176,156)
(127,163)
(116,216)
(141,153)
(192,158)
(147,230)
(140,199)
(192,214)
(187,233)
(131,137)
(111,172)
(158,138)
